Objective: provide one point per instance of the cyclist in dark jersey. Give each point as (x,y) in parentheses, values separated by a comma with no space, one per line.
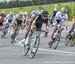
(38,22)
(72,30)
(35,26)
(53,16)
(17,23)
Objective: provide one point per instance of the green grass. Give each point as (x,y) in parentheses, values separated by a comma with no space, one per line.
(70,6)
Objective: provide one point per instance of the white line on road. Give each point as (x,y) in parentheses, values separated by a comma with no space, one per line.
(59,62)
(57,54)
(56,51)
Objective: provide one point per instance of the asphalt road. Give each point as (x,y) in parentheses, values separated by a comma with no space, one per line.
(13,54)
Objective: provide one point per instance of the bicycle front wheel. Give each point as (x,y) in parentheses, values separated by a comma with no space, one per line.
(36,46)
(26,50)
(67,41)
(56,43)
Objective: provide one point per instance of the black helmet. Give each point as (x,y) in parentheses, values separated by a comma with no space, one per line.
(45,12)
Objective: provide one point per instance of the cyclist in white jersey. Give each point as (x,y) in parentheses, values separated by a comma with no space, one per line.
(8,20)
(60,19)
(10,17)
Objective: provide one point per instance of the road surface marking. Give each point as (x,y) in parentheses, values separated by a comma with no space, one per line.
(56,51)
(60,62)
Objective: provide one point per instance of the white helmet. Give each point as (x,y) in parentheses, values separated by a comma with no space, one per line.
(64,10)
(33,12)
(20,13)
(11,14)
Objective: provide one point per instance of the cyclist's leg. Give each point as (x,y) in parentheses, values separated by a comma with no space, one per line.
(53,31)
(17,29)
(62,27)
(50,42)
(46,29)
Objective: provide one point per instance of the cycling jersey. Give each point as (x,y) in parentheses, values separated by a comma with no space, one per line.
(9,18)
(60,19)
(54,14)
(39,22)
(19,20)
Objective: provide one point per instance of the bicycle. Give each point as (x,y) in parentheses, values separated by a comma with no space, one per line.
(5,31)
(70,39)
(32,46)
(13,35)
(56,38)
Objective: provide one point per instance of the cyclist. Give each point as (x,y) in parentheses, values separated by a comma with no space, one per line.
(7,25)
(61,19)
(10,17)
(8,20)
(53,15)
(17,23)
(41,18)
(34,27)
(72,29)
(25,17)
(2,17)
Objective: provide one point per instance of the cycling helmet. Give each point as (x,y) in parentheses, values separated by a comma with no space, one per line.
(64,10)
(33,12)
(11,14)
(20,13)
(44,13)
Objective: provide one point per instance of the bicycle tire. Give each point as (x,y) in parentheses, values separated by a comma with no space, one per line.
(67,41)
(26,50)
(37,41)
(4,34)
(55,43)
(13,38)
(50,46)
(72,43)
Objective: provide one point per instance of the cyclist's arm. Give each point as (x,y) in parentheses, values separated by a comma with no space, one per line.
(47,25)
(33,27)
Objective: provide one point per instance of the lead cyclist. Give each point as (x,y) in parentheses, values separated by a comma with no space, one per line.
(35,26)
(61,19)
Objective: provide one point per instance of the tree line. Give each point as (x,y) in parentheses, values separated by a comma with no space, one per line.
(18,3)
